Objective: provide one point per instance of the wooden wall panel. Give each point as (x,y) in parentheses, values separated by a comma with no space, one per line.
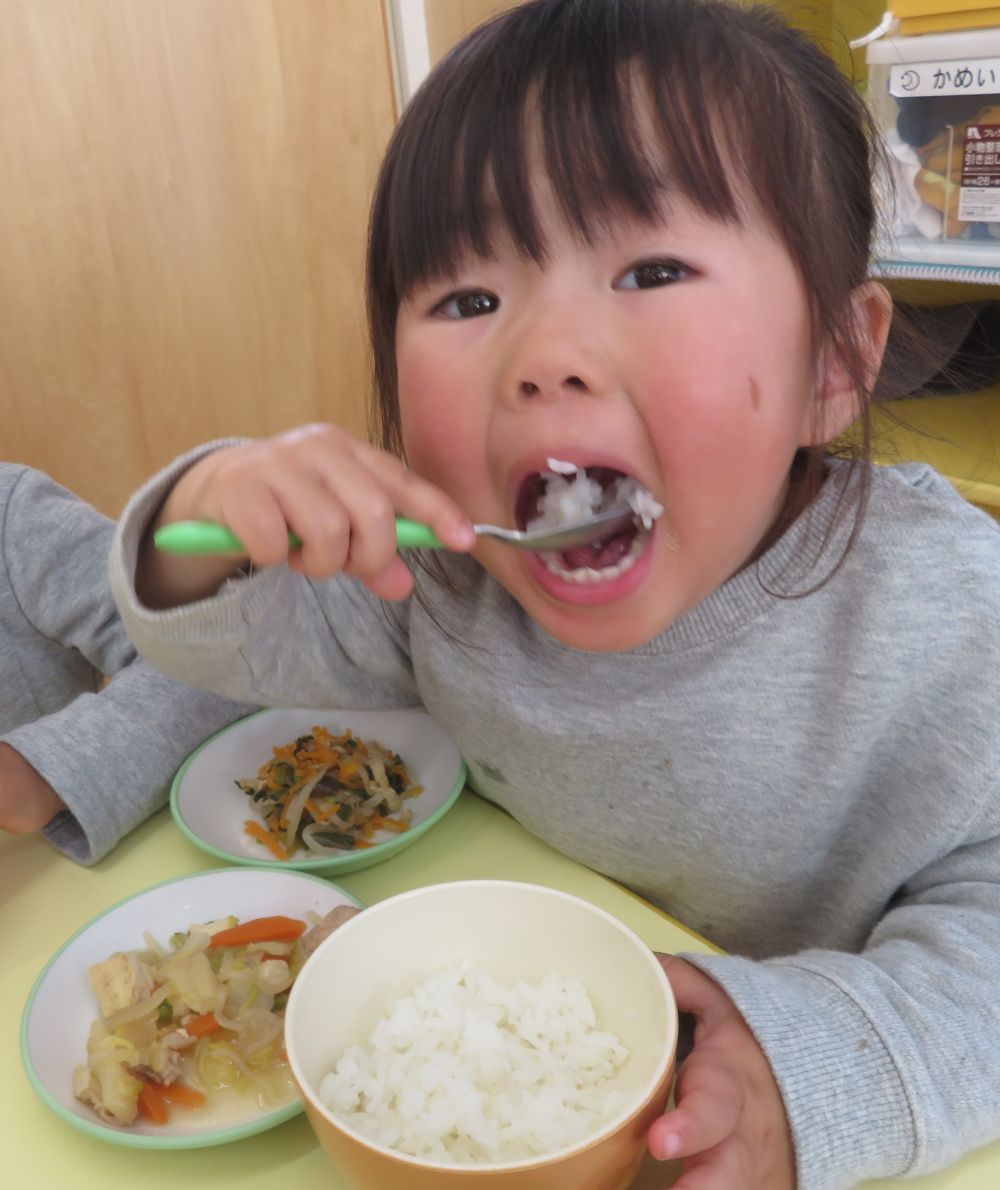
(450,20)
(183,198)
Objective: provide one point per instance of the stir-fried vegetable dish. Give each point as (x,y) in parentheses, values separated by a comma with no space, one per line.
(329,794)
(202,1015)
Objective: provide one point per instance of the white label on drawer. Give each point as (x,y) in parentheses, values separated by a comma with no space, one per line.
(979,206)
(979,197)
(974,76)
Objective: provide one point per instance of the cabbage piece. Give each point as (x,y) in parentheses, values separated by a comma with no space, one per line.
(273,976)
(219,1066)
(192,983)
(111,1089)
(258,1029)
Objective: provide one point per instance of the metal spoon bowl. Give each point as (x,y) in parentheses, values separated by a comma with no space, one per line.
(567,535)
(207,537)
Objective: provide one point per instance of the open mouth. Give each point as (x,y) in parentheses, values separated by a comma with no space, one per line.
(566,492)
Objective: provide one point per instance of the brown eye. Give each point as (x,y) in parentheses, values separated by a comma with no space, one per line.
(471,304)
(652,274)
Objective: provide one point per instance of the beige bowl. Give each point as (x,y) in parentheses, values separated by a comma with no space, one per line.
(515,931)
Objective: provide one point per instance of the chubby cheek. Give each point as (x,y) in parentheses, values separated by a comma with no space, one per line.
(441,441)
(725,449)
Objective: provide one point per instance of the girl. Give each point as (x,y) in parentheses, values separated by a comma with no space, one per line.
(620,248)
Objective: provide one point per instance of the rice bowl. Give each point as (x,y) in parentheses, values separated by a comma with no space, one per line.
(561,977)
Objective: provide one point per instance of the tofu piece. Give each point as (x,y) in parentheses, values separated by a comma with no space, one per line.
(119,982)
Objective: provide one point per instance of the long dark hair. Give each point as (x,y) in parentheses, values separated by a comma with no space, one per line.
(739,103)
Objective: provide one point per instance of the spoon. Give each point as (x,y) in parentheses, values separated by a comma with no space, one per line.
(207,537)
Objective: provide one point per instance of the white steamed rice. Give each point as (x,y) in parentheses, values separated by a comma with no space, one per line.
(570,494)
(469,1070)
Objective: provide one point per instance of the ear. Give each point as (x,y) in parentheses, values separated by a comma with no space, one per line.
(837,402)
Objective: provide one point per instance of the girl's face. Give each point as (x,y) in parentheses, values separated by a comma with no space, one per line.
(677,352)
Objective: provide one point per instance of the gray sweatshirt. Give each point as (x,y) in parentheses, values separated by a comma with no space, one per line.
(810,782)
(109,753)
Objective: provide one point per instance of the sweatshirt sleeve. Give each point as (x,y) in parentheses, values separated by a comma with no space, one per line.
(887,1060)
(55,556)
(111,756)
(273,638)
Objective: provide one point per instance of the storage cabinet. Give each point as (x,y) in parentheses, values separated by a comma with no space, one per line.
(959,435)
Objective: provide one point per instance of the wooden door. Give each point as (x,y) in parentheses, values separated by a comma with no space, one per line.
(183,199)
(450,20)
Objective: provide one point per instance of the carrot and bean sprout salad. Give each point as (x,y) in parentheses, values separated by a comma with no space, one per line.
(328,793)
(204,1015)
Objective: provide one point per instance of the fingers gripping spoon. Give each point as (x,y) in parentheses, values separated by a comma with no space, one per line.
(206,537)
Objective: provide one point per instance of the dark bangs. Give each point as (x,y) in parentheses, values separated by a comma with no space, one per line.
(624,103)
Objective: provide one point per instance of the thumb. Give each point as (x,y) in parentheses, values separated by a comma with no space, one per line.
(709,1103)
(394,583)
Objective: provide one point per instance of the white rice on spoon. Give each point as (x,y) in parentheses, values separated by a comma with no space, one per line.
(570,494)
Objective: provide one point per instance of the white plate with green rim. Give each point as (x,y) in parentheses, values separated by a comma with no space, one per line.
(212,811)
(61,1006)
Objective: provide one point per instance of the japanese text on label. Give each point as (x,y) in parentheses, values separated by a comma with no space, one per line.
(979,198)
(980,76)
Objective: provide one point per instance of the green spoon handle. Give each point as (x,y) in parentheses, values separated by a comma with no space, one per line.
(206,537)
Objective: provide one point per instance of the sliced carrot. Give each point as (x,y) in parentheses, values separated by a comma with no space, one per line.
(321,812)
(179,1093)
(260,929)
(262,835)
(152,1105)
(201,1026)
(395,824)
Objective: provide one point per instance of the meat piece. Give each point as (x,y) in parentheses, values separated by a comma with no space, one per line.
(320,932)
(164,1057)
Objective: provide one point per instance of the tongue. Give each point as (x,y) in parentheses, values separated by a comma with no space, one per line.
(598,555)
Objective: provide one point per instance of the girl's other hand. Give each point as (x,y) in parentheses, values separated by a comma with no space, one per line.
(729,1124)
(27,801)
(339,494)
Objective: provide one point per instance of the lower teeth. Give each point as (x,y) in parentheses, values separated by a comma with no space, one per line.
(586,575)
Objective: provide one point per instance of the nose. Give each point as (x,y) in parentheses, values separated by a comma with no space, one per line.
(556,358)
(531,388)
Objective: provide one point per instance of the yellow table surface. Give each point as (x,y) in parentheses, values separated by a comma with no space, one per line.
(44,898)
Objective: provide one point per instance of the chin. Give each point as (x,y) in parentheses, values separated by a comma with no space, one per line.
(599,638)
(607,617)
(614,628)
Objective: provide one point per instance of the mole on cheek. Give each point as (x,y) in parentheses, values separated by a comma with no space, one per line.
(754,394)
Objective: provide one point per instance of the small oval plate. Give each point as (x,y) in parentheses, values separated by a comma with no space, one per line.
(212,811)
